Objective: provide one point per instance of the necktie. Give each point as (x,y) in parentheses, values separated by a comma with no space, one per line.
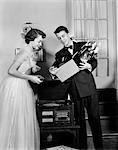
(70,46)
(70,49)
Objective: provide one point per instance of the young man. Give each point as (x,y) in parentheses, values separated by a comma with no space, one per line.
(81,87)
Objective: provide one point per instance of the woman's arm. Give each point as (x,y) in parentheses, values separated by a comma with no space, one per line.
(13,70)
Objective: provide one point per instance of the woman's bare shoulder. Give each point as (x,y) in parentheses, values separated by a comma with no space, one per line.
(22,54)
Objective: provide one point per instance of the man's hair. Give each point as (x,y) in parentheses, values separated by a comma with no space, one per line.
(61,28)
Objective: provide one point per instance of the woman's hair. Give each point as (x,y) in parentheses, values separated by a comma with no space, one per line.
(32,34)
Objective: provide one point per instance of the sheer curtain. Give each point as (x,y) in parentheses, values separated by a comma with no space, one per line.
(90,22)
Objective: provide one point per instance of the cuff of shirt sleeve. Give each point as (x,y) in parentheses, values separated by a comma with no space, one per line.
(90,67)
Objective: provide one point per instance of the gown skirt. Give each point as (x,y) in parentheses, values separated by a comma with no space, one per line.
(19,128)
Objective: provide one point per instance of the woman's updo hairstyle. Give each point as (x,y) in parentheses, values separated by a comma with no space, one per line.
(29,33)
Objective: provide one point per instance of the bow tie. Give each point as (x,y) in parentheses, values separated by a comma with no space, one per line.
(71,47)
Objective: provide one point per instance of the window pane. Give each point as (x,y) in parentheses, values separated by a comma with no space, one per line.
(101,9)
(90,8)
(102,68)
(102,28)
(91,29)
(103,48)
(79,29)
(79,9)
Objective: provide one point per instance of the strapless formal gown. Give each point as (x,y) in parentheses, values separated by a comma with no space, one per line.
(19,128)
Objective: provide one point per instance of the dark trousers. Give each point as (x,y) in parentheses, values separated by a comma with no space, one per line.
(92,107)
(93,119)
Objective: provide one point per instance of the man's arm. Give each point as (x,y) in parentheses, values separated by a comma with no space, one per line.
(93,63)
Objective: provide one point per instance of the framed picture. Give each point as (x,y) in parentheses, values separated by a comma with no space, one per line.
(17,50)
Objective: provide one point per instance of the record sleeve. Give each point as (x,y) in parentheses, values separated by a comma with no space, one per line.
(67,70)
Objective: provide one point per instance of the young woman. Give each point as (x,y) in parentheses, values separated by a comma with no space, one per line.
(18,124)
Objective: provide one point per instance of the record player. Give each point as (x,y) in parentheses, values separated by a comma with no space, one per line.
(55,113)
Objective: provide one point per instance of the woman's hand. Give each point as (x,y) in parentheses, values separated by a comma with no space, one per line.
(36,79)
(35,68)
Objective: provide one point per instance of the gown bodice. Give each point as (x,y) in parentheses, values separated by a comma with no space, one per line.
(27,63)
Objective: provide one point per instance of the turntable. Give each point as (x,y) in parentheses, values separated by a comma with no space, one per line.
(55,113)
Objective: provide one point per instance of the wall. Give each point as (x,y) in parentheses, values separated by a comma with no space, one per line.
(117,48)
(46,14)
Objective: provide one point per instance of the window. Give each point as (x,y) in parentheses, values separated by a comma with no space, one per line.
(94,20)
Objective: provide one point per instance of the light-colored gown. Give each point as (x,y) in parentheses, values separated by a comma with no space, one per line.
(19,128)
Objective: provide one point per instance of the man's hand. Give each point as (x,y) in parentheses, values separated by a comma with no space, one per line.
(53,70)
(85,65)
